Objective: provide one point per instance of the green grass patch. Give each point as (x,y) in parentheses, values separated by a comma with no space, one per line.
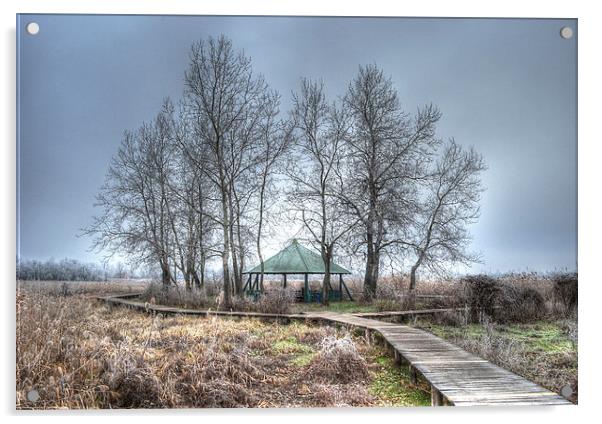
(543,337)
(302,360)
(291,345)
(539,337)
(300,354)
(392,387)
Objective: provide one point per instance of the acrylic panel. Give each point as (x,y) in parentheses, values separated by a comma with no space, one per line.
(288,211)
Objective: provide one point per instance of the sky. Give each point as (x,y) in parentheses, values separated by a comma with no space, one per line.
(507,87)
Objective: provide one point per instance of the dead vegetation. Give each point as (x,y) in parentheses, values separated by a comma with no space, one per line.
(274,301)
(70,288)
(508,298)
(338,361)
(77,353)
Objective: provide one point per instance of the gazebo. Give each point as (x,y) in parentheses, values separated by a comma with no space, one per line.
(296,260)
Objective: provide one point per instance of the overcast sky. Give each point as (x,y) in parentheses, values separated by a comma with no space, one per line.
(506,87)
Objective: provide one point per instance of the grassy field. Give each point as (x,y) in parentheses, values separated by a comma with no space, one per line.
(545,352)
(78,353)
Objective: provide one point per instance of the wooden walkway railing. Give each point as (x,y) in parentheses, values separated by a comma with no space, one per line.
(456,376)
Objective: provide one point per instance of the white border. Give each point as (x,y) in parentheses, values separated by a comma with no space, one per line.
(590,236)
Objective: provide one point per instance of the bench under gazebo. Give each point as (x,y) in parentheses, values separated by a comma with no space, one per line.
(297,260)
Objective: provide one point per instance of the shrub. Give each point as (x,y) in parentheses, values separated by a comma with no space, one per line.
(565,292)
(132,383)
(481,293)
(489,298)
(338,361)
(519,304)
(531,304)
(277,301)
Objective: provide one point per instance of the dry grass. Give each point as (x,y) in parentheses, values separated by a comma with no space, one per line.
(77,353)
(275,301)
(338,361)
(179,297)
(70,288)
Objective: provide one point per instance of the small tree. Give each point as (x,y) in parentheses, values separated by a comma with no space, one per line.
(134,200)
(450,205)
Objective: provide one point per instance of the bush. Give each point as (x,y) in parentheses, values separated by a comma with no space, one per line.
(565,292)
(277,301)
(481,293)
(489,298)
(519,304)
(338,361)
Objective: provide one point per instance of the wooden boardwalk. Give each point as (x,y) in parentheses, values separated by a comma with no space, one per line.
(125,300)
(456,376)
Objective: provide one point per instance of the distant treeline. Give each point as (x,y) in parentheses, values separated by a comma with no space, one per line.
(72,270)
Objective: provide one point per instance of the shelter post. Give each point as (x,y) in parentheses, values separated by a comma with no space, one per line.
(306,292)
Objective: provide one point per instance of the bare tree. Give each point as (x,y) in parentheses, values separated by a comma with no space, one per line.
(319,130)
(274,142)
(224,96)
(450,205)
(388,152)
(191,202)
(134,199)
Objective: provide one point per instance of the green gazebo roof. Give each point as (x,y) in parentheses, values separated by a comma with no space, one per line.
(296,259)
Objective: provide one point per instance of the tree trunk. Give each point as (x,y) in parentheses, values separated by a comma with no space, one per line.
(234,261)
(235,249)
(227,301)
(197,281)
(412,288)
(202,278)
(326,256)
(188,280)
(165,275)
(414,269)
(372,271)
(372,261)
(259,229)
(413,277)
(241,251)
